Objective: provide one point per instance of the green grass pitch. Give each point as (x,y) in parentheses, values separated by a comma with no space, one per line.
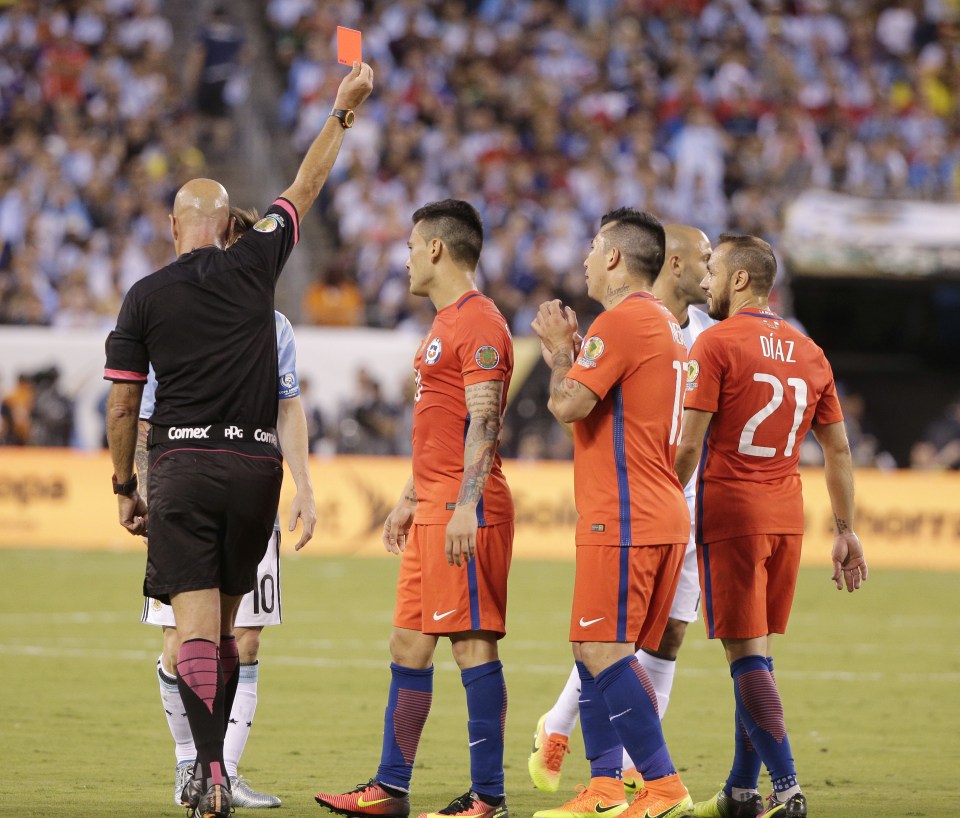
(870,685)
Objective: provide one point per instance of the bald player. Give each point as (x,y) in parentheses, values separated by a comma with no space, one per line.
(678,287)
(206,323)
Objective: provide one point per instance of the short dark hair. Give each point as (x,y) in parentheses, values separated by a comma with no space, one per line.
(753,254)
(457,224)
(639,237)
(243,219)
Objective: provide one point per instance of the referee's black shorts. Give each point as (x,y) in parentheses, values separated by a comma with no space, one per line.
(212,507)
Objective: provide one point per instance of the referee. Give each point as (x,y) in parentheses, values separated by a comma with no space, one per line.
(206,322)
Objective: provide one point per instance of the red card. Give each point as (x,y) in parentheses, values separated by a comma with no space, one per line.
(349,47)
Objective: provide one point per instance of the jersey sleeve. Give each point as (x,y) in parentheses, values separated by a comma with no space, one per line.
(485,348)
(704,374)
(605,357)
(828,407)
(269,243)
(127,359)
(289,384)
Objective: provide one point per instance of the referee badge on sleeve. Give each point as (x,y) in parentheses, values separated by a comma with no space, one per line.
(269,223)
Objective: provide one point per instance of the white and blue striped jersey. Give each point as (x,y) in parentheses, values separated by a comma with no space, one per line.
(697,322)
(288,385)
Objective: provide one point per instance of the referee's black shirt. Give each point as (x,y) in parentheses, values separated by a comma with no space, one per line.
(206,323)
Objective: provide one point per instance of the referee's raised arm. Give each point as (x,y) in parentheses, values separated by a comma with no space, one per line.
(316,165)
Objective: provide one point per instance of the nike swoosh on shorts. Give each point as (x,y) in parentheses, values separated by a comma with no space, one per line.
(437,616)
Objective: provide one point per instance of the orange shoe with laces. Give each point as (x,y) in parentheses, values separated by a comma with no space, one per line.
(604,796)
(547,757)
(661,798)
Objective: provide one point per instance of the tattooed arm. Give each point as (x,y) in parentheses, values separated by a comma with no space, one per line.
(484,406)
(556,327)
(849,566)
(140,458)
(569,400)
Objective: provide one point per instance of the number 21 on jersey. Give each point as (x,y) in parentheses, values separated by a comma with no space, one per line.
(799,389)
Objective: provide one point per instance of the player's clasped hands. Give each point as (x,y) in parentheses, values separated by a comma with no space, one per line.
(556,326)
(849,566)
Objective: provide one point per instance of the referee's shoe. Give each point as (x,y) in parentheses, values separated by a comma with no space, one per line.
(247,797)
(215,802)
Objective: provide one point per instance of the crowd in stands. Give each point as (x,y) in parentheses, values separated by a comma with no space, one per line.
(544,113)
(548,113)
(95,138)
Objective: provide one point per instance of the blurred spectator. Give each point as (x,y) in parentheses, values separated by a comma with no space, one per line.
(333,300)
(15,411)
(215,76)
(369,424)
(864,445)
(939,448)
(36,412)
(318,439)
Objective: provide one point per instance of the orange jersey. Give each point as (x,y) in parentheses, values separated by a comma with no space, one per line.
(766,384)
(468,343)
(626,489)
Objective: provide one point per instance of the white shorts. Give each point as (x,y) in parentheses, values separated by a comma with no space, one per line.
(258,608)
(686,603)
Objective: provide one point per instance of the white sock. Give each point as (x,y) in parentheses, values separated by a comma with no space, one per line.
(241,717)
(176,715)
(661,673)
(562,717)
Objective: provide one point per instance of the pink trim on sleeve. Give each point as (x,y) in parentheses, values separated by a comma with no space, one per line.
(292,212)
(124,375)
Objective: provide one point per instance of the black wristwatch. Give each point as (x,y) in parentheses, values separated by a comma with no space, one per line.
(345,115)
(126,489)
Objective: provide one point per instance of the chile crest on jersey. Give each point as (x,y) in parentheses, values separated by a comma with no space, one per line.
(433,351)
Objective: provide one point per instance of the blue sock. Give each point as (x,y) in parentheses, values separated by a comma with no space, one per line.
(600,739)
(408,705)
(487,716)
(632,703)
(745,771)
(761,711)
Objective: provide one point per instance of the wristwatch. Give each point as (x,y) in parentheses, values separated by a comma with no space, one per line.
(126,489)
(345,115)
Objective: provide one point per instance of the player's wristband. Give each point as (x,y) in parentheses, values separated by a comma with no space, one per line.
(126,489)
(345,115)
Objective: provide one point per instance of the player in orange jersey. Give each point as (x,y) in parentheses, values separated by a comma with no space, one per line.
(453,525)
(622,394)
(678,287)
(755,387)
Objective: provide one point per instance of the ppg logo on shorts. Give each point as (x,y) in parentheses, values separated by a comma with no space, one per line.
(232,432)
